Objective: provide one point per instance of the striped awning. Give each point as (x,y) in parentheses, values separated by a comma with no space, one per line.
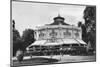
(73,41)
(80,41)
(58,42)
(53,43)
(70,41)
(39,42)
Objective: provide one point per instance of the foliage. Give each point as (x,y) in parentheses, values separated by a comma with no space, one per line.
(89,28)
(24,41)
(17,43)
(28,37)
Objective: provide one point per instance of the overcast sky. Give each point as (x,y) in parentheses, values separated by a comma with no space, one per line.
(29,15)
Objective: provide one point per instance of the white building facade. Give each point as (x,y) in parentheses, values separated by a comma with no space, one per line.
(57,33)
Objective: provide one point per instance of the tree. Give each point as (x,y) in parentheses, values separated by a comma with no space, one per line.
(90,25)
(16,35)
(83,27)
(17,42)
(28,37)
(79,24)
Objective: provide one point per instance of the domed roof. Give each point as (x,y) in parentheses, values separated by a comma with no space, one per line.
(58,20)
(59,17)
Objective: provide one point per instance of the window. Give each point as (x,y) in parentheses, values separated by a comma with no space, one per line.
(41,35)
(77,34)
(67,33)
(53,33)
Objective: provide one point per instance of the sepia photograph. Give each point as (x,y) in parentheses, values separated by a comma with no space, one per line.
(52,33)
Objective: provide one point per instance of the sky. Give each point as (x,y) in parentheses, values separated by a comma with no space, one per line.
(29,15)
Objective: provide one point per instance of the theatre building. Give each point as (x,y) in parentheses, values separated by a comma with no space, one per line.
(57,36)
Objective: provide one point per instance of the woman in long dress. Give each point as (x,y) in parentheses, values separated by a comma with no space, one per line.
(19,55)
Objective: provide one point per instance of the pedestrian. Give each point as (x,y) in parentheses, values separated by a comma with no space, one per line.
(19,55)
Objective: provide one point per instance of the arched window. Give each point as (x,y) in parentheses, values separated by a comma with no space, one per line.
(53,33)
(67,33)
(77,33)
(41,35)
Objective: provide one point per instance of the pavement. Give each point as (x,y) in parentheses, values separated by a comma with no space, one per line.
(38,60)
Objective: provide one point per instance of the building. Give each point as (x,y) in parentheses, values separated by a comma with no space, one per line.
(57,34)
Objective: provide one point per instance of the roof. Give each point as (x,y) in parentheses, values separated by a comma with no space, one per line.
(58,42)
(56,23)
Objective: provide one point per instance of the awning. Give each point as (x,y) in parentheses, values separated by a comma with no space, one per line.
(57,42)
(39,42)
(80,41)
(52,44)
(70,41)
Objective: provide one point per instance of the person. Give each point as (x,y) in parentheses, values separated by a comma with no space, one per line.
(19,55)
